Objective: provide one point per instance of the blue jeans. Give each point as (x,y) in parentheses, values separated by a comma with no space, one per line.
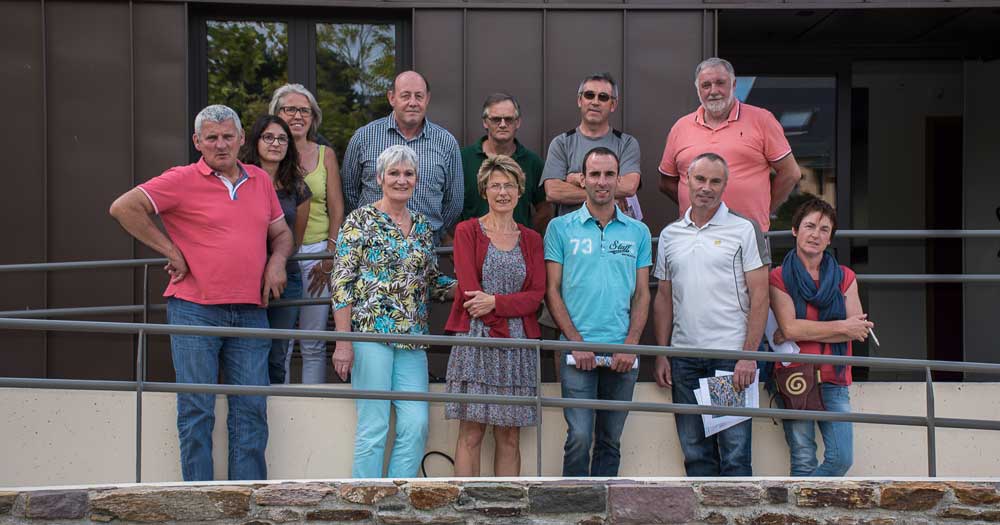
(724,454)
(383,367)
(244,362)
(283,318)
(601,429)
(838,438)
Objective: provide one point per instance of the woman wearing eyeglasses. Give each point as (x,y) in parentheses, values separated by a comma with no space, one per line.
(269,146)
(298,108)
(500,268)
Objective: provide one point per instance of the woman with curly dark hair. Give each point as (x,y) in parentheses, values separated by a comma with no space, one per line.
(816,303)
(270,146)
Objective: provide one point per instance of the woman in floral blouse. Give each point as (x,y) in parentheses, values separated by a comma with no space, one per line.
(386,272)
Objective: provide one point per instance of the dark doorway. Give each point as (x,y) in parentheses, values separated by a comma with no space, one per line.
(943,161)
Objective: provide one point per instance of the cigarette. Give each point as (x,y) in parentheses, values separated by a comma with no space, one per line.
(874,339)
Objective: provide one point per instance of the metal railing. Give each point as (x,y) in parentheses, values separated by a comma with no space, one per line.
(9,320)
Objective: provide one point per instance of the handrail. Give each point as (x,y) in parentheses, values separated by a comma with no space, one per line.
(930,421)
(867,278)
(21,320)
(446,340)
(853,234)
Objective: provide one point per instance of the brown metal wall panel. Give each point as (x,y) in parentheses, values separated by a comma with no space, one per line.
(22,206)
(578,43)
(515,67)
(662,51)
(89,155)
(438,54)
(162,134)
(438,45)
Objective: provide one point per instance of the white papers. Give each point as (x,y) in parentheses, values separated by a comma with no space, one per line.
(720,390)
(788,347)
(599,360)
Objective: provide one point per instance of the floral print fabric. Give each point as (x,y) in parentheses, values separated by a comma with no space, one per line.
(386,276)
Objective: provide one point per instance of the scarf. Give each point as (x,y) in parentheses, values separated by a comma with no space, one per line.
(827,298)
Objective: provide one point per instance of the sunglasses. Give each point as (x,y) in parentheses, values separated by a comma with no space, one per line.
(498,120)
(603,97)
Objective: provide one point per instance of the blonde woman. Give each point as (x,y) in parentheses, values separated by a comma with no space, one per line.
(298,108)
(500,268)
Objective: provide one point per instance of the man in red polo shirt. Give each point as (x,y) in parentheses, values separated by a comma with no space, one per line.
(750,139)
(221,216)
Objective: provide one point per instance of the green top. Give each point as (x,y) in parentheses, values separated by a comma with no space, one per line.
(531,164)
(318,226)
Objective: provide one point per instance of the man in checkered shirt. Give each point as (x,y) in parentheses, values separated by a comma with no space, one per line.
(440,185)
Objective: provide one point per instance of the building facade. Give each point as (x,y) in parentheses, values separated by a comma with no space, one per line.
(886,104)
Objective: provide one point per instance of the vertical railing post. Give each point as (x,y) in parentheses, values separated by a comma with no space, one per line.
(931,435)
(140,374)
(145,309)
(538,409)
(140,362)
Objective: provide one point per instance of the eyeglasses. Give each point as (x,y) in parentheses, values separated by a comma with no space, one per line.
(292,110)
(603,97)
(498,120)
(270,139)
(496,186)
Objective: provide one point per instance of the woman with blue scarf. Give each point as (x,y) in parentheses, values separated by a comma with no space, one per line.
(815,301)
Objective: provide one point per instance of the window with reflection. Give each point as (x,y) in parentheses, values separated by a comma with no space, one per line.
(347,61)
(806,108)
(247,61)
(355,64)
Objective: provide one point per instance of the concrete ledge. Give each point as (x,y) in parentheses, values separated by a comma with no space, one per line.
(738,501)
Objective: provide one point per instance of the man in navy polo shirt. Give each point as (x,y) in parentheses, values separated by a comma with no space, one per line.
(597,261)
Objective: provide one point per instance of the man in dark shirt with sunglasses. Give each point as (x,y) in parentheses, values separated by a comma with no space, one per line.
(562,179)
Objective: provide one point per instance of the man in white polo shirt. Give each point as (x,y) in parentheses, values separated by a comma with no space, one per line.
(712,265)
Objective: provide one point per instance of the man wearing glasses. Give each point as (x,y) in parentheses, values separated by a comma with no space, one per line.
(440,185)
(597,99)
(501,119)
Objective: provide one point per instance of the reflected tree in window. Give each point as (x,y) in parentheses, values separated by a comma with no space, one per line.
(247,61)
(355,65)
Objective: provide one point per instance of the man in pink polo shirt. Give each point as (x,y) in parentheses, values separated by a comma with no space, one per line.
(221,216)
(750,139)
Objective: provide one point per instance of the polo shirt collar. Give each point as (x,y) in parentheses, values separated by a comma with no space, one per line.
(518,148)
(734,114)
(206,170)
(583,215)
(718,219)
(394,125)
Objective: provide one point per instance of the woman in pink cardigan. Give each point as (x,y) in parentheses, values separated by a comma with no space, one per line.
(500,268)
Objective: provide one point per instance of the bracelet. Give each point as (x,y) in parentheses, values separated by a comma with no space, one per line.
(331,239)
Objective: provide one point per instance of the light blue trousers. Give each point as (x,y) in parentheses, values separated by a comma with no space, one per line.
(382,367)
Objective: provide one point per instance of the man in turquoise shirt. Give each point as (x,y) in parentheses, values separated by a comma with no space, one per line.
(597,263)
(501,119)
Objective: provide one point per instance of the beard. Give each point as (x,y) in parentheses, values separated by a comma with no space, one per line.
(719,106)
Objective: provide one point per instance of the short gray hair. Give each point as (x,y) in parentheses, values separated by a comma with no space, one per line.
(397,154)
(710,157)
(714,62)
(299,89)
(601,77)
(497,98)
(217,113)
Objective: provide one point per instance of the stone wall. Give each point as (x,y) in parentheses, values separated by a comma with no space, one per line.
(590,502)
